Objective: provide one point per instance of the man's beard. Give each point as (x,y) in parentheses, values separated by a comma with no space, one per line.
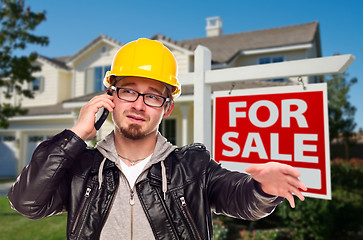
(133,131)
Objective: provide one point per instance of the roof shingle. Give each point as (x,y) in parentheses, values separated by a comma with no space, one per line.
(225,47)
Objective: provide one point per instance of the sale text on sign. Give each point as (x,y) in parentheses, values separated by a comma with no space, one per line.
(281,124)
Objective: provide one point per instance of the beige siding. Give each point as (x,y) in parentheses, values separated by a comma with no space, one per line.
(246,60)
(64,86)
(48,96)
(49,93)
(94,58)
(13,100)
(183,62)
(79,86)
(312,53)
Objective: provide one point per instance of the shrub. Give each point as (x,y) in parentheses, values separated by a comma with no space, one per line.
(339,218)
(219,229)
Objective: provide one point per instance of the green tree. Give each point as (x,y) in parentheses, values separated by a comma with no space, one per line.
(341,112)
(17,31)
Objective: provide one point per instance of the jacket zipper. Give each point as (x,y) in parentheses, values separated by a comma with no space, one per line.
(85,197)
(185,207)
(132,202)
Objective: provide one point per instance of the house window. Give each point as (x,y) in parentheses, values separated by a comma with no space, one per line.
(9,138)
(265,60)
(275,59)
(103,50)
(9,90)
(168,129)
(94,78)
(36,138)
(37,85)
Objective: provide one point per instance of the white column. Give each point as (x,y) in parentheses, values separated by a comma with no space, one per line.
(19,151)
(185,110)
(202,97)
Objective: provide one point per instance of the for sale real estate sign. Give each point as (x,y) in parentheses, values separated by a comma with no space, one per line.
(281,124)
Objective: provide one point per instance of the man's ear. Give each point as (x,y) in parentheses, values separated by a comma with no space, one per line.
(169,109)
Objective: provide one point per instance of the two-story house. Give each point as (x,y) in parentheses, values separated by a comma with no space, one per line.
(65,84)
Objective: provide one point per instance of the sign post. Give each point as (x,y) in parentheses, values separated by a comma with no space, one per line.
(281,124)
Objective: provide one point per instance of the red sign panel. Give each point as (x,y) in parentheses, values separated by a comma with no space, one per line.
(282,124)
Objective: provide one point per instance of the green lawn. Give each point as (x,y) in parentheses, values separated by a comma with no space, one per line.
(14,226)
(6,180)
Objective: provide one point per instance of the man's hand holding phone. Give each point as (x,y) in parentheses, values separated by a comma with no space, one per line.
(85,126)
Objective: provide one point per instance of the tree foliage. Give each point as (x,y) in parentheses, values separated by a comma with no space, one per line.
(17,32)
(341,112)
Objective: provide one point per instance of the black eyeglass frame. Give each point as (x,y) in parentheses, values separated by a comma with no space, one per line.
(117,89)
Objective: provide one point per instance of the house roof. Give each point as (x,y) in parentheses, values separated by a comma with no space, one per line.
(61,62)
(84,98)
(98,39)
(56,109)
(56,62)
(189,89)
(225,47)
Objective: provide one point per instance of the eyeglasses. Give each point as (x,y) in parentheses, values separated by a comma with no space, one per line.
(130,95)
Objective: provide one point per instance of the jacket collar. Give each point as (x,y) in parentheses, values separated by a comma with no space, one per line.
(155,170)
(97,161)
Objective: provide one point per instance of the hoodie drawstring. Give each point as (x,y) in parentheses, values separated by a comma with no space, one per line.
(100,170)
(164,180)
(163,175)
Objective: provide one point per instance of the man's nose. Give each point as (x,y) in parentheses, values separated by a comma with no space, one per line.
(139,103)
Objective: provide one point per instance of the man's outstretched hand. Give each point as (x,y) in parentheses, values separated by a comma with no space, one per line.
(278,179)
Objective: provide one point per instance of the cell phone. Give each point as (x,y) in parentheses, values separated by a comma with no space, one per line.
(102,119)
(103,116)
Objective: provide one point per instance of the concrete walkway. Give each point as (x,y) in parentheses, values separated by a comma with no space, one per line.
(4,188)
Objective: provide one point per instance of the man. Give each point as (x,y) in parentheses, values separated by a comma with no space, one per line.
(135,184)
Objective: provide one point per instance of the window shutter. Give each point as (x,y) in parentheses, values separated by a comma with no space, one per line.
(41,84)
(89,80)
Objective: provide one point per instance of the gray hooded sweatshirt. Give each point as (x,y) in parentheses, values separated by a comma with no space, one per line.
(127,219)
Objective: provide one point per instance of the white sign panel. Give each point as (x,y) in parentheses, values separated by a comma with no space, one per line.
(281,124)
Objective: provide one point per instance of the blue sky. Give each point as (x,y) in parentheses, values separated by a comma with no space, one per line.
(72,24)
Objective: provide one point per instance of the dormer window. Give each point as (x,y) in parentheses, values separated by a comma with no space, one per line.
(275,59)
(94,78)
(272,59)
(9,90)
(37,85)
(103,49)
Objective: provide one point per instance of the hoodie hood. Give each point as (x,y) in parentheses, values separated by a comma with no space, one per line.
(162,149)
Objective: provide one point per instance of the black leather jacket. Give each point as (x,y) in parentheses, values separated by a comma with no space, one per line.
(63,176)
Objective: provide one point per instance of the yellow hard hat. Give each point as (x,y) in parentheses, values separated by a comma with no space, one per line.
(145,58)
